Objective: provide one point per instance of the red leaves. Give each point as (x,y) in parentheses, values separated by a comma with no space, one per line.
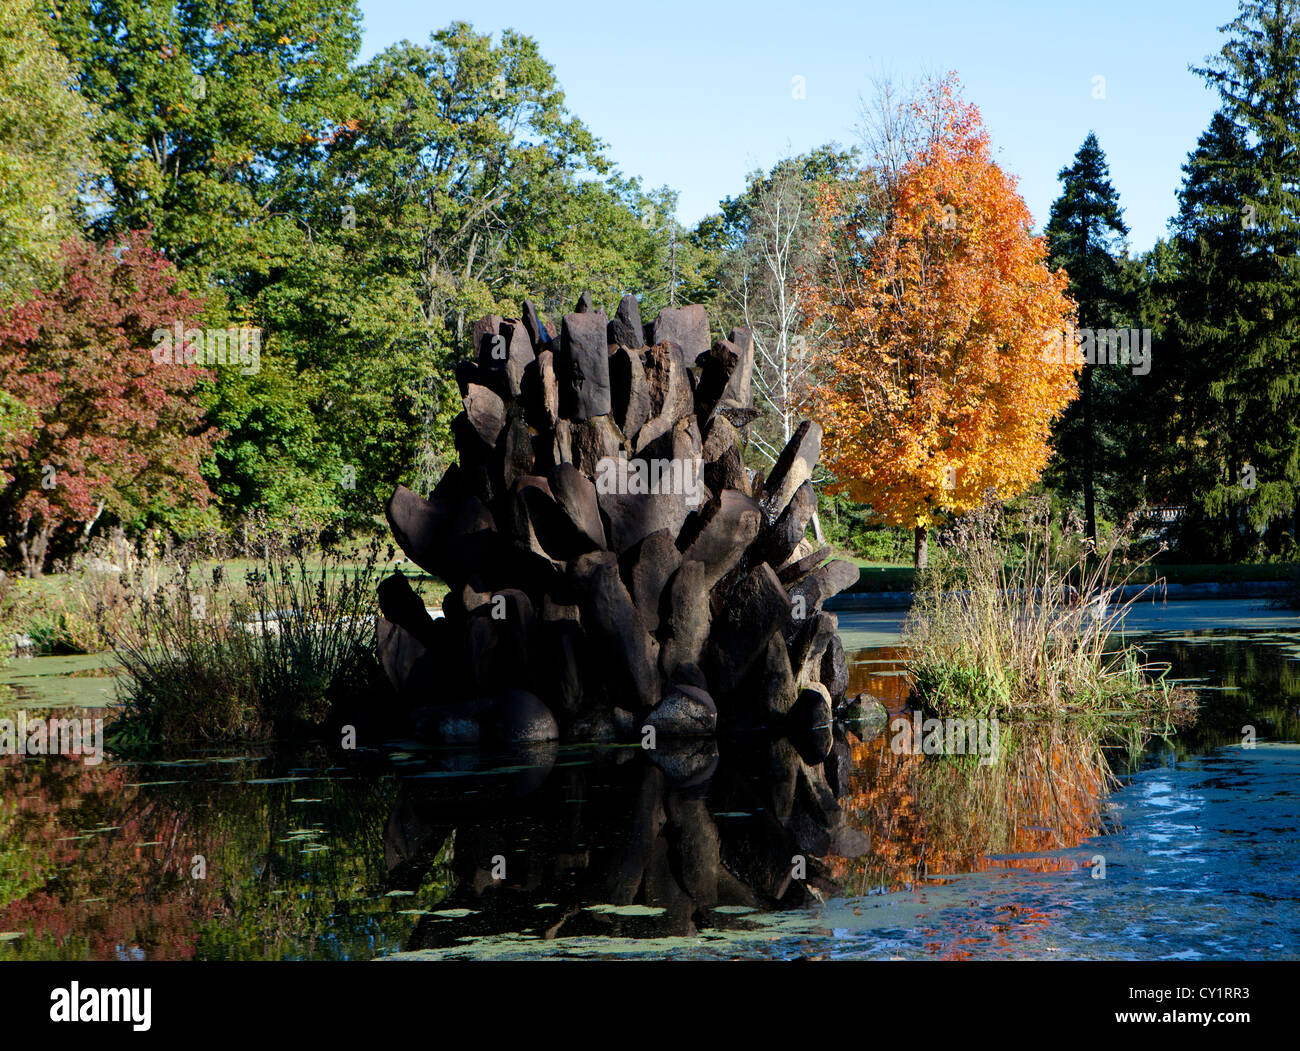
(114,426)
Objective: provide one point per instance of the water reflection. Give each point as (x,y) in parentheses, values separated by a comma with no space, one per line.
(694,850)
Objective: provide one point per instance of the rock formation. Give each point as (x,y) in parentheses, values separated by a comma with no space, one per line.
(612,564)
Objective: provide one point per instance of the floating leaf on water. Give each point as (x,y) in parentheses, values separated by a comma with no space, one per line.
(453,914)
(400,894)
(626,910)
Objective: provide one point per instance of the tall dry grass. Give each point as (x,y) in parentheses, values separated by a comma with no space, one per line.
(1016,618)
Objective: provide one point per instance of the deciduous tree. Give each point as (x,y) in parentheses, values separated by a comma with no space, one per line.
(934,387)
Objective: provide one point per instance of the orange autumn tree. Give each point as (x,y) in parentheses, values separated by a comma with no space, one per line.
(933,387)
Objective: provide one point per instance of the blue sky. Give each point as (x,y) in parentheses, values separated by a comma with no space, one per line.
(695,95)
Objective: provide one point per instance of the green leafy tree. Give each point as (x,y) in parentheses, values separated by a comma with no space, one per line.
(459,185)
(47,161)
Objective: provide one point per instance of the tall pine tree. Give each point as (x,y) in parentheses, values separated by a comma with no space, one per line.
(1254,340)
(1203,430)
(1085,235)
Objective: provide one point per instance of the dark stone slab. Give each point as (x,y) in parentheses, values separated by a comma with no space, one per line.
(399,604)
(549,385)
(727,472)
(726,372)
(408,663)
(585,443)
(419,526)
(688,327)
(625,329)
(483,335)
(608,610)
(576,495)
(774,689)
(777,542)
(647,568)
(632,517)
(808,640)
(518,455)
(518,354)
(755,609)
(808,724)
(542,525)
(793,572)
(520,717)
(669,384)
(486,412)
(584,304)
(562,646)
(835,671)
(501,639)
(793,467)
(728,525)
(536,328)
(687,619)
(582,366)
(471,372)
(823,582)
(630,394)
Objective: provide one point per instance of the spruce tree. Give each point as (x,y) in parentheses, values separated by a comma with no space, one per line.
(1203,429)
(1085,235)
(1255,373)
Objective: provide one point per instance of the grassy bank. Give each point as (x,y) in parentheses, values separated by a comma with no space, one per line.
(83,608)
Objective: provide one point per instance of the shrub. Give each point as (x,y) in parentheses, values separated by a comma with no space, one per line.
(209,657)
(1013,620)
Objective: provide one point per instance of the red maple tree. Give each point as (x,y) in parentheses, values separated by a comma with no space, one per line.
(96,425)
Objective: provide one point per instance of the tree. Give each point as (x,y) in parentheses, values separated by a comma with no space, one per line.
(768,237)
(209,112)
(934,387)
(1085,236)
(116,433)
(468,186)
(1250,173)
(47,161)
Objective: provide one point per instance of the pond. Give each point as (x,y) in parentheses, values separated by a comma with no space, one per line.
(1069,847)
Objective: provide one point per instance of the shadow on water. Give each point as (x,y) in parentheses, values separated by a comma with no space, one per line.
(741,847)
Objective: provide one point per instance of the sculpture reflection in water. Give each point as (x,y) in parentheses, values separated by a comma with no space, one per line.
(642,843)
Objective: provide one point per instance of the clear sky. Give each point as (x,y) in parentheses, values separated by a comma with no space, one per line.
(694,95)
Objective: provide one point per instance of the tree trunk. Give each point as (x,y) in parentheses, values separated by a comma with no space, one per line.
(921,553)
(32,549)
(1089,494)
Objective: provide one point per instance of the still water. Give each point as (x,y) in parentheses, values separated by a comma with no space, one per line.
(1188,849)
